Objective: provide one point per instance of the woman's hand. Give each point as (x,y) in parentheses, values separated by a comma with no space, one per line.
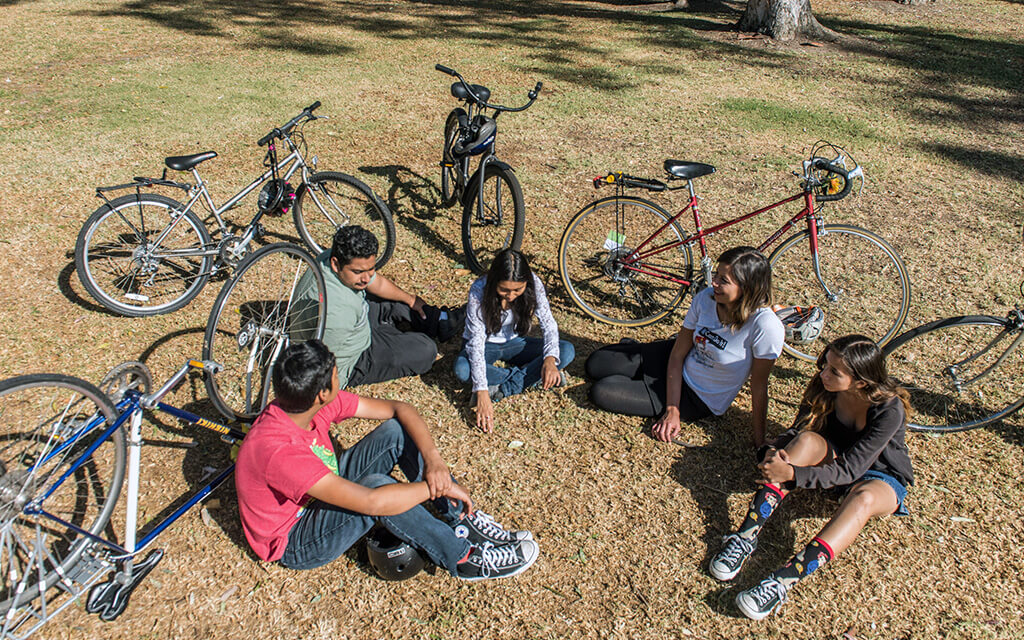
(776,468)
(437,476)
(484,411)
(667,426)
(549,373)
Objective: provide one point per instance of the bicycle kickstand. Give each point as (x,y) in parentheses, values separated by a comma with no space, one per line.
(110,598)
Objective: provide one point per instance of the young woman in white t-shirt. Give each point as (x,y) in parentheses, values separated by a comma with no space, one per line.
(729,334)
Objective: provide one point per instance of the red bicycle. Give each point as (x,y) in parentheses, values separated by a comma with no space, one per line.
(626,261)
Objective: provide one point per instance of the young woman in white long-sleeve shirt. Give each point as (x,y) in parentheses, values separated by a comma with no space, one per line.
(499,314)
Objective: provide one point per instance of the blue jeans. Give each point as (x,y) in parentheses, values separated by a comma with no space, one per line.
(324,531)
(524,357)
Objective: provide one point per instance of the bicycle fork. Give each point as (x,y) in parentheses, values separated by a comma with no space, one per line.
(816,229)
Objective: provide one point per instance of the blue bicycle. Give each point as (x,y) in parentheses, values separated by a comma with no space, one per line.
(68,446)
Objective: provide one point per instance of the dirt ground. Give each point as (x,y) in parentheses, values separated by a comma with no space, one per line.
(928,98)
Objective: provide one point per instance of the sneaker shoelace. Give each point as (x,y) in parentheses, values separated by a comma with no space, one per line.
(489,526)
(768,589)
(496,558)
(735,548)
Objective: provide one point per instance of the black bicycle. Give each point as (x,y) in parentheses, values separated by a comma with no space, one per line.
(144,254)
(962,372)
(491,195)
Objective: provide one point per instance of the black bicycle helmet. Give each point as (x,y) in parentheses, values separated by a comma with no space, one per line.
(391,558)
(482,130)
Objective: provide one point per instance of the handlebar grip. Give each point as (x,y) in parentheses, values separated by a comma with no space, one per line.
(821,163)
(313,107)
(267,138)
(444,69)
(540,85)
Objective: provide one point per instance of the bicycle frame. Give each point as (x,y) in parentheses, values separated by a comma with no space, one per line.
(1015,323)
(639,253)
(200,191)
(130,409)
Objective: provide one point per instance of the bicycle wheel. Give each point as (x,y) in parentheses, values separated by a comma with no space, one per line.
(47,422)
(331,200)
(275,297)
(499,225)
(451,189)
(142,255)
(590,262)
(931,363)
(870,290)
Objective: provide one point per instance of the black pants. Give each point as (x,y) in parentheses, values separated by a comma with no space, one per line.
(629,378)
(401,343)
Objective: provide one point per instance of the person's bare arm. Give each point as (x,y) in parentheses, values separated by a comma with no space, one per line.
(388,500)
(435,472)
(384,288)
(667,426)
(760,370)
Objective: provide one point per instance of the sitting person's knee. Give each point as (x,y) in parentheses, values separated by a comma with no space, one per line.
(462,370)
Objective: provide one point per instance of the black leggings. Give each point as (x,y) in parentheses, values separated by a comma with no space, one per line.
(629,378)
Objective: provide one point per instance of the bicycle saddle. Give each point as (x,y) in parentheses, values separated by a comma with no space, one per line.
(480,90)
(184,163)
(687,170)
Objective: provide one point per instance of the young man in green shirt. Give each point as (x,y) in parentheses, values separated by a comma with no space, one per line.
(385,335)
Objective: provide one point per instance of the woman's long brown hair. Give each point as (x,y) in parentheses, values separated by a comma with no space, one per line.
(867,364)
(753,274)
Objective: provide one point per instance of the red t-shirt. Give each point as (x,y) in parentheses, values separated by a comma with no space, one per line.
(277,464)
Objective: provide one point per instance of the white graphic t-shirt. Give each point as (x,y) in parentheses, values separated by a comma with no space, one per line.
(719,361)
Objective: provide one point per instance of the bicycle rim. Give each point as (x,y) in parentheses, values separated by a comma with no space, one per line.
(121,267)
(499,225)
(331,200)
(869,283)
(40,414)
(274,299)
(591,262)
(929,361)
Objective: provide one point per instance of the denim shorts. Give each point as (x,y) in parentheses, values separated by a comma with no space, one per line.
(901,491)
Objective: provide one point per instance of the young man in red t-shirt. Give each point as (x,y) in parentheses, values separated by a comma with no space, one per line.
(304,506)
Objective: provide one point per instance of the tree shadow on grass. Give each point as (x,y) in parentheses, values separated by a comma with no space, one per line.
(540,26)
(998,164)
(415,202)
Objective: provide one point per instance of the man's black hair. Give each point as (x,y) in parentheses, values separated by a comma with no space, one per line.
(351,242)
(301,372)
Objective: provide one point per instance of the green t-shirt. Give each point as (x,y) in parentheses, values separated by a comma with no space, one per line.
(347,326)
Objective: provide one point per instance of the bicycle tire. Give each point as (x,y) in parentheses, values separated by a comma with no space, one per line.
(276,297)
(596,280)
(451,185)
(116,269)
(485,234)
(38,414)
(863,271)
(920,359)
(338,200)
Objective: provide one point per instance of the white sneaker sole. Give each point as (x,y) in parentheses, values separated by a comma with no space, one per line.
(749,611)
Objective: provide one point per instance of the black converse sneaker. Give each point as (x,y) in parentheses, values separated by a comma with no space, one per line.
(487,561)
(479,528)
(730,559)
(760,601)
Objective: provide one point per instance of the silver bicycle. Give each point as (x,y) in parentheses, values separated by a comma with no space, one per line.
(145,254)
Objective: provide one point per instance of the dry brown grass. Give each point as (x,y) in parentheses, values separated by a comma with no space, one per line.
(928,98)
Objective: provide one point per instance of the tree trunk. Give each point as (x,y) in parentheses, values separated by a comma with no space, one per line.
(783,20)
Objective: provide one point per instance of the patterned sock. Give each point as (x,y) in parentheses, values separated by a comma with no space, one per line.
(814,555)
(761,506)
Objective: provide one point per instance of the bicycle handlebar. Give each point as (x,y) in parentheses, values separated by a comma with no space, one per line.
(532,94)
(620,178)
(827,165)
(288,126)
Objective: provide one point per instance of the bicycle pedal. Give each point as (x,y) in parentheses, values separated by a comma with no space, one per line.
(109,599)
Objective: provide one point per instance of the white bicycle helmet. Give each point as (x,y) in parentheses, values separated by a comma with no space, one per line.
(803,324)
